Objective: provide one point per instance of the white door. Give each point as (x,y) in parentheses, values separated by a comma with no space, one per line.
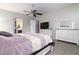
(33,26)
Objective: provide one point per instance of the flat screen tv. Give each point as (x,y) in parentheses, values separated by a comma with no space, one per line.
(44,25)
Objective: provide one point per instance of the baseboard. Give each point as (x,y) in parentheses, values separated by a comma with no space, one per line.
(68,42)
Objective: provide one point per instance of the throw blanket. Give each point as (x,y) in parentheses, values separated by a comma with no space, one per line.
(23,44)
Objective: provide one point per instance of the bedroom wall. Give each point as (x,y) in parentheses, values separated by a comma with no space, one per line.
(69,13)
(7,21)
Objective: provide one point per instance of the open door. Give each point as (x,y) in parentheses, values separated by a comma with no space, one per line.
(18,25)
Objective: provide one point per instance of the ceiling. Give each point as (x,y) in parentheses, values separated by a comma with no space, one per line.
(42,7)
(50,7)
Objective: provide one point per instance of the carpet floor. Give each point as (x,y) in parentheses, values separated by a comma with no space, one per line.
(64,48)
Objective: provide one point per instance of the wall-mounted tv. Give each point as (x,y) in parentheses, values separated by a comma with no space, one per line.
(44,25)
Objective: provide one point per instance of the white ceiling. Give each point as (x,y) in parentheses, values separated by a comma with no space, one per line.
(15,7)
(50,7)
(43,7)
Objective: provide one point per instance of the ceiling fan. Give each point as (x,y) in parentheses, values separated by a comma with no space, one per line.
(33,12)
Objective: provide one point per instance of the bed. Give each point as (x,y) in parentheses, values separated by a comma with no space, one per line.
(26,44)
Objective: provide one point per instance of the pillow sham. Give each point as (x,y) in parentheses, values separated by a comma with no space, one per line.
(3,33)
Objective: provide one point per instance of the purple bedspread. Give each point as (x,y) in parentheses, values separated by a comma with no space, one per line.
(18,45)
(15,45)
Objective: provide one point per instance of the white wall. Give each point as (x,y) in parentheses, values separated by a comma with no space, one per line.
(70,13)
(7,21)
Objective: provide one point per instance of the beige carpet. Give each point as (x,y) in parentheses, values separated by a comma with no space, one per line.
(63,48)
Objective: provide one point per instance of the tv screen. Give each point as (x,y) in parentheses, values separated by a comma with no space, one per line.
(44,25)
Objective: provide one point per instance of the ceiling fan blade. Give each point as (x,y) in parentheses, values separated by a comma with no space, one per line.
(34,15)
(33,11)
(26,11)
(27,14)
(39,13)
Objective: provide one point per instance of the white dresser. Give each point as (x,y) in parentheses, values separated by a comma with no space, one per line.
(69,35)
